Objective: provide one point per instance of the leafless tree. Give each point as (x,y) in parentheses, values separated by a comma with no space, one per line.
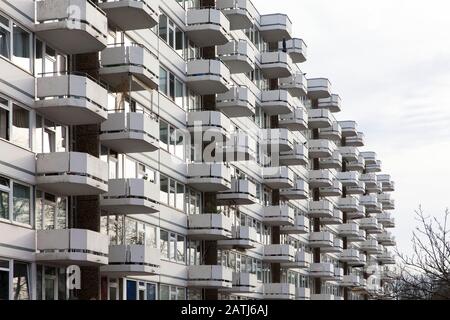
(425,274)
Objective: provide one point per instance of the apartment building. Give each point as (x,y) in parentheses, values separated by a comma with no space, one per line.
(175,150)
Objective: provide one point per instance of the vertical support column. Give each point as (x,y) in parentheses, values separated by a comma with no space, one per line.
(86,214)
(344,220)
(316,197)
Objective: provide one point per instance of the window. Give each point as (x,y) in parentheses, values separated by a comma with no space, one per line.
(4,198)
(21,47)
(140,290)
(21,203)
(171,86)
(170,33)
(163,81)
(4,280)
(51,211)
(172,140)
(4,119)
(172,193)
(5,37)
(21,126)
(21,281)
(167,292)
(172,246)
(51,283)
(50,137)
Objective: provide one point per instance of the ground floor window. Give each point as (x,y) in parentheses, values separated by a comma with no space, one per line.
(50,283)
(4,280)
(15,280)
(140,290)
(167,292)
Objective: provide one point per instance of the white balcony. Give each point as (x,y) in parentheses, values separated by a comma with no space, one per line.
(323,270)
(237,102)
(207,76)
(370,246)
(370,223)
(349,153)
(243,282)
(209,177)
(240,13)
(72,246)
(297,157)
(349,256)
(302,293)
(320,178)
(275,27)
(331,133)
(349,178)
(243,192)
(358,238)
(240,147)
(131,14)
(83,32)
(129,68)
(294,121)
(349,128)
(323,297)
(332,103)
(72,99)
(321,239)
(370,179)
(338,276)
(278,177)
(336,219)
(209,226)
(373,167)
(319,88)
(337,246)
(278,215)
(237,55)
(361,262)
(319,118)
(360,189)
(370,157)
(350,281)
(277,140)
(300,191)
(386,258)
(207,27)
(277,102)
(358,165)
(355,141)
(302,261)
(335,190)
(130,132)
(386,183)
(242,237)
(386,239)
(369,201)
(295,84)
(277,64)
(210,124)
(386,220)
(374,188)
(333,162)
(210,277)
(71,174)
(360,213)
(279,291)
(132,260)
(301,226)
(296,48)
(386,201)
(321,148)
(279,253)
(131,196)
(320,209)
(349,229)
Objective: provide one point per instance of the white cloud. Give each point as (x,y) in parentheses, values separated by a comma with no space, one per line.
(390,62)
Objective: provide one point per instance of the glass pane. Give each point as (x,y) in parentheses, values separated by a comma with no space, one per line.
(130,232)
(164,244)
(4,283)
(163,292)
(62,284)
(181,294)
(179,93)
(163,27)
(49,215)
(61,217)
(162,80)
(172,194)
(4,120)
(151,291)
(172,243)
(21,47)
(4,205)
(5,41)
(113,293)
(131,290)
(130,168)
(163,135)
(21,203)
(181,255)
(21,291)
(180,196)
(179,144)
(21,126)
(164,189)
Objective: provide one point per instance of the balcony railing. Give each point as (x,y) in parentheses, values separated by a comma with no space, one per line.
(208,76)
(296,48)
(207,27)
(275,27)
(238,56)
(210,276)
(240,13)
(211,226)
(209,177)
(319,88)
(276,64)
(237,102)
(131,14)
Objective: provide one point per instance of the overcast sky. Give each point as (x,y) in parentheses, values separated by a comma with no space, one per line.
(389,60)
